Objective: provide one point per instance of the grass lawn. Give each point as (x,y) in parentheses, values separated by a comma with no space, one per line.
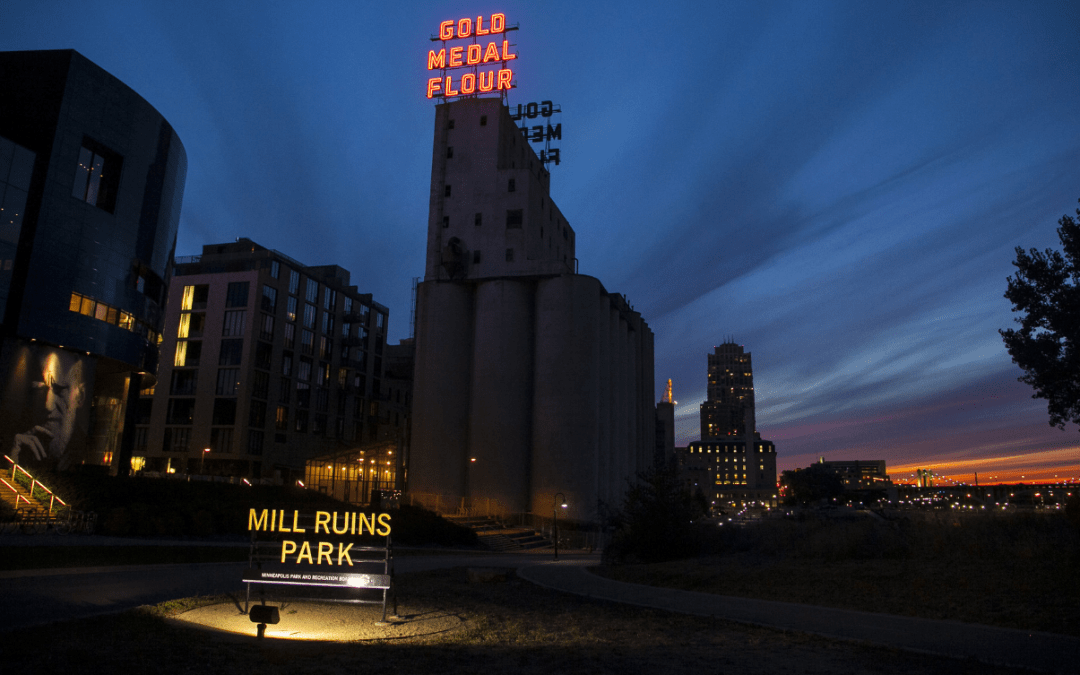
(508,627)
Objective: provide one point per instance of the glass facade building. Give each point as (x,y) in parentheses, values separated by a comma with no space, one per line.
(91,184)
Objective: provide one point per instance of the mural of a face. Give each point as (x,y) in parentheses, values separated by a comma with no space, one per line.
(62,375)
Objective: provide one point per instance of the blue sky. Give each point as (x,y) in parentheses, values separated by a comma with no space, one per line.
(840,186)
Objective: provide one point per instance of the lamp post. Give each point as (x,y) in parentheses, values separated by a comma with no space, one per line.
(555,518)
(202,459)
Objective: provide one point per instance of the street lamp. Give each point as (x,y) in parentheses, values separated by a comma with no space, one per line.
(555,518)
(202,459)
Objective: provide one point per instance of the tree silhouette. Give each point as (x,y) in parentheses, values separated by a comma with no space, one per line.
(1046,289)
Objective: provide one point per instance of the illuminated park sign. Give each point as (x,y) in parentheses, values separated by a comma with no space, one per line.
(349,523)
(485,58)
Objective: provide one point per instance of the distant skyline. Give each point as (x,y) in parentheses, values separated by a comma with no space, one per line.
(839,186)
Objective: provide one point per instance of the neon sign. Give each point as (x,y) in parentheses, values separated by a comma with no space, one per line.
(482,59)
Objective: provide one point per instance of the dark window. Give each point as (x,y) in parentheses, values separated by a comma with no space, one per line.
(233,325)
(180,411)
(483,120)
(322,399)
(285,394)
(303,395)
(176,440)
(275,269)
(260,383)
(231,352)
(449,151)
(224,411)
(97,176)
(476,257)
(263,352)
(184,382)
(290,336)
(311,291)
(221,439)
(255,442)
(228,381)
(447,190)
(266,331)
(513,218)
(318,425)
(269,298)
(237,294)
(301,421)
(309,316)
(477,219)
(286,364)
(294,281)
(257,414)
(446,221)
(307,342)
(509,255)
(450,124)
(511,186)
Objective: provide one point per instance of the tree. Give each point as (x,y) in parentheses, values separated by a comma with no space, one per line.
(1046,288)
(657,519)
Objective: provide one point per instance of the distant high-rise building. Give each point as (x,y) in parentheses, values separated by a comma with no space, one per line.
(731,459)
(729,408)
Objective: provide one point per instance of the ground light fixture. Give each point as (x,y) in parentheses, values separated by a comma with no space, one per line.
(262,615)
(555,519)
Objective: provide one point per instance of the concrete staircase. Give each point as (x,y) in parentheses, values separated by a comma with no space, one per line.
(498,537)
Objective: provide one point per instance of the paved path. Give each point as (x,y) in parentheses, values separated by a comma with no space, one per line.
(41,596)
(1047,652)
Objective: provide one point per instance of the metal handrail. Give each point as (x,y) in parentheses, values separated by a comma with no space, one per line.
(18,495)
(34,483)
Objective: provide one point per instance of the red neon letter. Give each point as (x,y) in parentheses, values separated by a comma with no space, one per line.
(504,78)
(464,28)
(498,23)
(472,55)
(436,60)
(434,85)
(487,81)
(449,91)
(491,53)
(480,26)
(506,49)
(455,56)
(468,83)
(446,30)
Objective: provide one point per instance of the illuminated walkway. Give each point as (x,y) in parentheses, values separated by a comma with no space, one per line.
(1002,646)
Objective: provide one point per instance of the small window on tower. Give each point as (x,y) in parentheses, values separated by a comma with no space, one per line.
(449,151)
(510,187)
(446,221)
(476,257)
(477,220)
(447,190)
(450,124)
(97,175)
(483,120)
(509,255)
(513,218)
